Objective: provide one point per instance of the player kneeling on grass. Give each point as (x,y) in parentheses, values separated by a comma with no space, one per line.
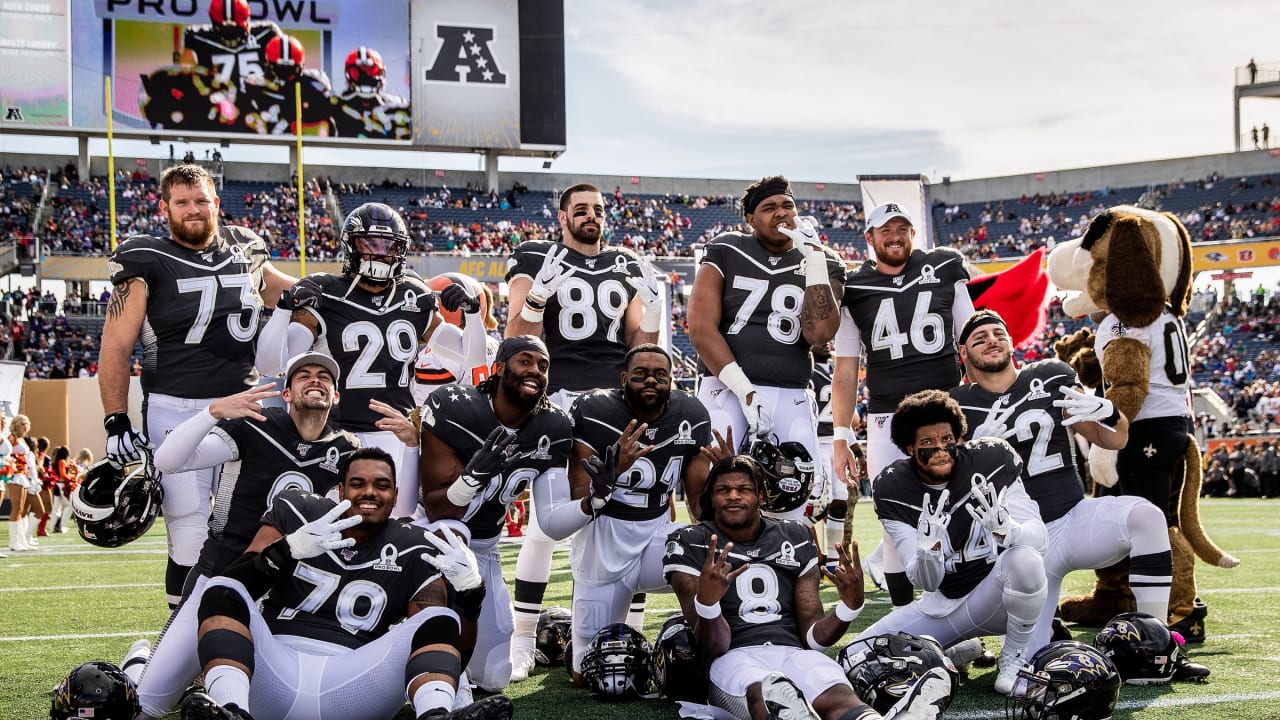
(756,613)
(333,581)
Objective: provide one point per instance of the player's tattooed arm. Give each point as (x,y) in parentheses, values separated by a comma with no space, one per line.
(820,314)
(119,298)
(126,312)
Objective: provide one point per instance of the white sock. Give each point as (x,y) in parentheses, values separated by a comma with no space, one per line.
(432,695)
(835,536)
(227,684)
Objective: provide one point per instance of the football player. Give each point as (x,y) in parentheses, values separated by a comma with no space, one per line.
(1037,409)
(269,99)
(231,47)
(482,447)
(632,445)
(760,301)
(364,110)
(295,447)
(838,504)
(461,350)
(345,591)
(973,544)
(748,585)
(901,311)
(371,319)
(591,302)
(193,300)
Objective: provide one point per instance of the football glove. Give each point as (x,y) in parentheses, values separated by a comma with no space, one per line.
(125,443)
(931,529)
(306,293)
(455,296)
(454,560)
(323,534)
(604,476)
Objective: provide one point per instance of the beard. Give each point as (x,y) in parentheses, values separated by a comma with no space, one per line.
(586,234)
(637,401)
(994,365)
(193,237)
(511,387)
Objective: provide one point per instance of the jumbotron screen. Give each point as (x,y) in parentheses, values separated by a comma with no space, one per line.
(444,73)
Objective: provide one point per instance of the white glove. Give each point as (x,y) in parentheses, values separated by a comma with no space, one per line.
(550,275)
(125,443)
(993,511)
(759,420)
(805,236)
(1102,466)
(932,526)
(320,536)
(455,561)
(1084,407)
(650,296)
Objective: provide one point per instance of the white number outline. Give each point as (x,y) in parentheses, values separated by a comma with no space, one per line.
(783,322)
(1040,459)
(360,375)
(325,583)
(241,328)
(758,607)
(885,333)
(635,484)
(609,298)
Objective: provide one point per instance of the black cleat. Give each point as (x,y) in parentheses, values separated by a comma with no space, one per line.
(1060,631)
(1186,671)
(495,707)
(199,706)
(1192,626)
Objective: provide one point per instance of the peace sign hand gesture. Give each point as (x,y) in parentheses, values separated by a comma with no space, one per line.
(717,573)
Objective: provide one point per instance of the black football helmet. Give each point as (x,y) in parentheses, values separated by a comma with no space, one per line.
(1142,648)
(788,473)
(375,241)
(114,506)
(366,72)
(883,668)
(97,690)
(284,55)
(678,670)
(617,664)
(1065,680)
(555,630)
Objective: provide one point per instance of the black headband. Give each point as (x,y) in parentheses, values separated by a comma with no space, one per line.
(977,320)
(774,186)
(519,344)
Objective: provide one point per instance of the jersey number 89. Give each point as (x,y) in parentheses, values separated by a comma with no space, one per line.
(578,317)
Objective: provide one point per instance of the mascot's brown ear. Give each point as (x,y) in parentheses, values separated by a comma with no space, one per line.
(1180,297)
(1133,288)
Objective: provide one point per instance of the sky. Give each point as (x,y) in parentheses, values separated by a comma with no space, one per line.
(826,90)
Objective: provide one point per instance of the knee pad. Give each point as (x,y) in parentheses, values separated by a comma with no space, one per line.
(838,510)
(1148,532)
(224,644)
(222,601)
(1022,570)
(441,629)
(433,662)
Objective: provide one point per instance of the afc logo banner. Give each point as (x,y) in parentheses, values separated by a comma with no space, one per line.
(465,57)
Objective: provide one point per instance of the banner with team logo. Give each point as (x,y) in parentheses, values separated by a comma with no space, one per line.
(910,192)
(35,63)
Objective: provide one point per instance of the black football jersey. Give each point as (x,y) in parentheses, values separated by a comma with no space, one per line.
(270,108)
(374,339)
(231,63)
(820,383)
(1049,468)
(970,551)
(905,324)
(760,605)
(584,321)
(378,116)
(349,596)
(269,457)
(202,311)
(462,416)
(760,310)
(644,491)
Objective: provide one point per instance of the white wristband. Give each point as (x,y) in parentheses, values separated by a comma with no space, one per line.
(736,380)
(815,269)
(844,613)
(813,643)
(707,612)
(460,493)
(845,433)
(531,315)
(650,322)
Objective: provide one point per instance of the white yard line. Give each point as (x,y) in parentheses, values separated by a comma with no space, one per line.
(60,588)
(1146,704)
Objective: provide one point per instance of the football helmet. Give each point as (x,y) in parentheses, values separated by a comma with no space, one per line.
(114,506)
(229,14)
(555,629)
(677,666)
(883,668)
(375,242)
(284,55)
(366,72)
(1065,680)
(616,665)
(455,317)
(97,690)
(788,473)
(1142,648)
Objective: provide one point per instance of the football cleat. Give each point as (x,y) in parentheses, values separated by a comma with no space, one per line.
(1010,664)
(783,699)
(495,707)
(522,662)
(927,698)
(199,706)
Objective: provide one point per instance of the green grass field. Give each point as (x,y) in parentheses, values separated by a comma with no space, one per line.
(69,603)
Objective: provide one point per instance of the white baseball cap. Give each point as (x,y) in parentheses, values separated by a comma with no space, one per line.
(885,213)
(297,362)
